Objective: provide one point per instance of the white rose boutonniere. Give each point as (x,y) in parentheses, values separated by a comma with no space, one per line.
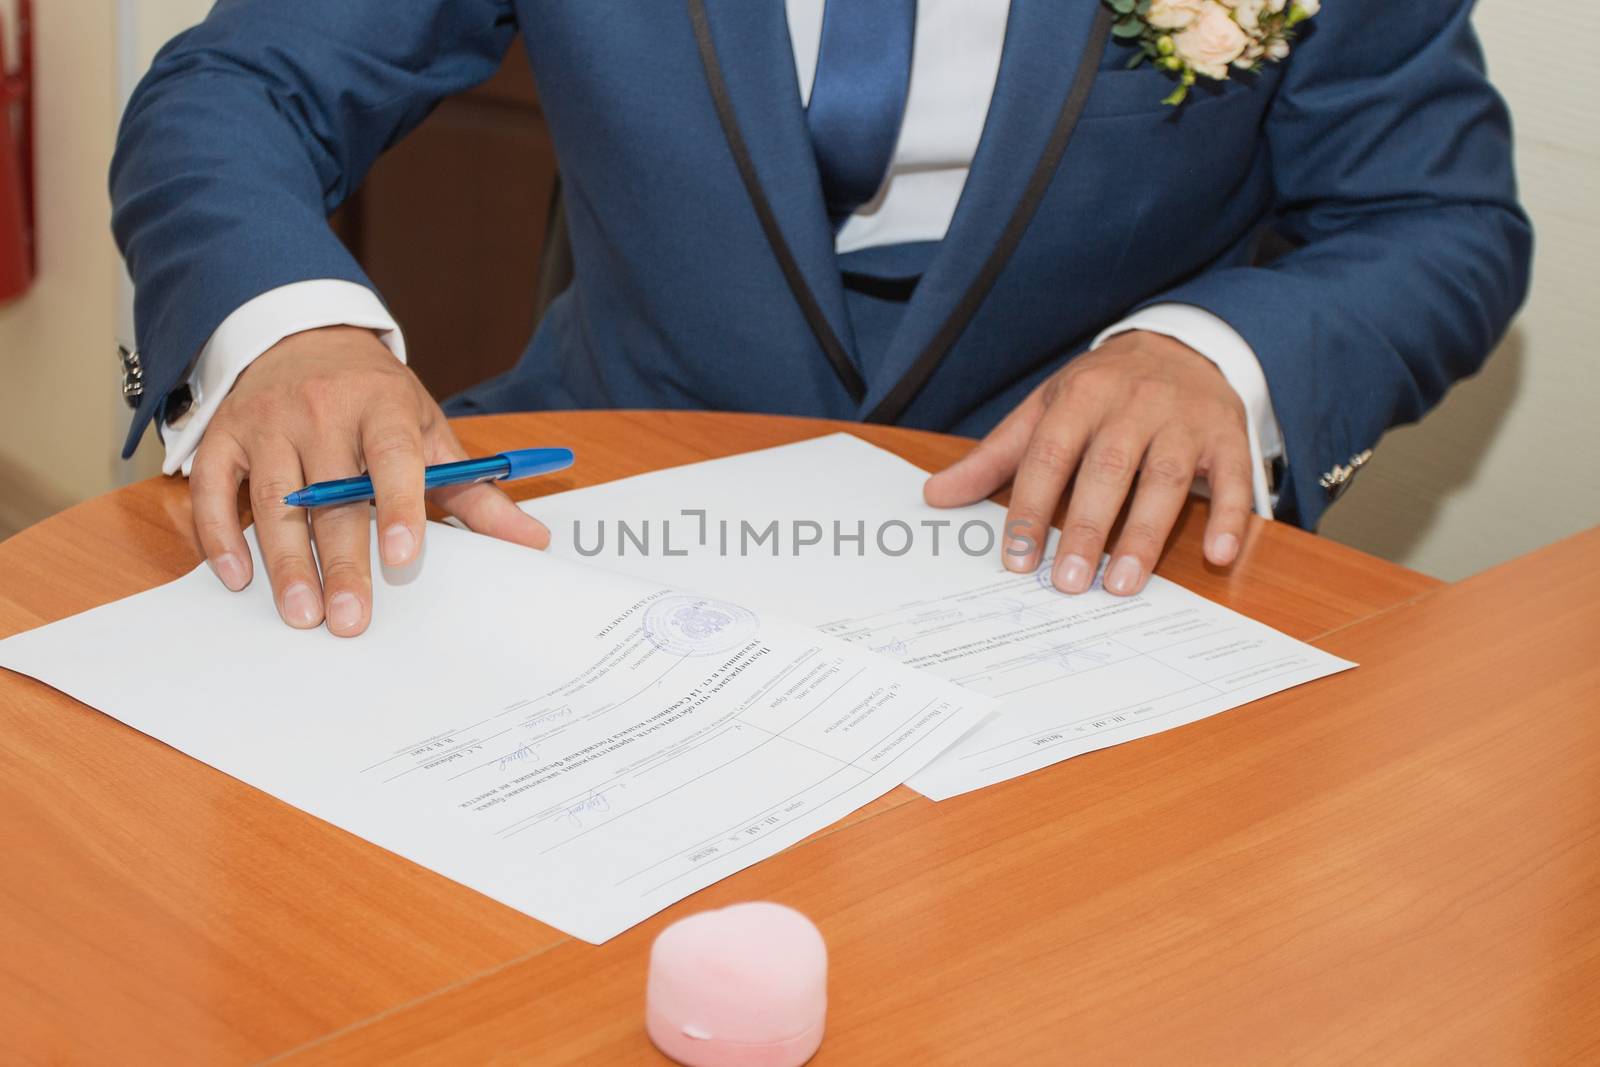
(1191,39)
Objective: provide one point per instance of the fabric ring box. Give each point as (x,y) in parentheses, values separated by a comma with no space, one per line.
(743,986)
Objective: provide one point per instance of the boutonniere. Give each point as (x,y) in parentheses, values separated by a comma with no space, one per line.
(1207,38)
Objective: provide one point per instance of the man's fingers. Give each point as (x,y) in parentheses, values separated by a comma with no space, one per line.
(391,443)
(1042,475)
(275,472)
(990,464)
(219,467)
(343,536)
(487,510)
(1227,472)
(1108,467)
(1165,479)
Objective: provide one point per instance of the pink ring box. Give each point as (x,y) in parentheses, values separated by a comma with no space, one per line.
(744,986)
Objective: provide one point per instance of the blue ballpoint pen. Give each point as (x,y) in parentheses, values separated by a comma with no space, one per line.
(521,463)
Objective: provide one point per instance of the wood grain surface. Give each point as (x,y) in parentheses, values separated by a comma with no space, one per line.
(1401,861)
(1400,864)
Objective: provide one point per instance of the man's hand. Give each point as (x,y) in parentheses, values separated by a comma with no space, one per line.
(1140,405)
(319,405)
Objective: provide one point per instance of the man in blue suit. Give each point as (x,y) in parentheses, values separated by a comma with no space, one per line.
(963,215)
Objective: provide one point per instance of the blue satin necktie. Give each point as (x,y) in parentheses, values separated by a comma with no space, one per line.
(858,97)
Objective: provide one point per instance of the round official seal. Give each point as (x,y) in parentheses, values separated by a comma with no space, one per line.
(697,626)
(1045,577)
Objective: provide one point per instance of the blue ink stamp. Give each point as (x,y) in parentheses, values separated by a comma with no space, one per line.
(683,625)
(1044,577)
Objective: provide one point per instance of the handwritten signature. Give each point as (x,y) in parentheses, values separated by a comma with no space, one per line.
(594,802)
(555,715)
(1073,656)
(520,754)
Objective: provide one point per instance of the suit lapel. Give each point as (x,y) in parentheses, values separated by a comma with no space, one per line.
(749,60)
(1052,52)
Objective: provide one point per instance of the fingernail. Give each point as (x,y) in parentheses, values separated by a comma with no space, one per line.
(344,612)
(1123,577)
(1224,548)
(398,545)
(301,606)
(1074,575)
(228,568)
(1018,555)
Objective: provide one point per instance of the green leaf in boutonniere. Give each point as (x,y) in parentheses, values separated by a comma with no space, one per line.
(1192,39)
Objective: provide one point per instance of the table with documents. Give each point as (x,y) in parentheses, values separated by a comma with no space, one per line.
(420,838)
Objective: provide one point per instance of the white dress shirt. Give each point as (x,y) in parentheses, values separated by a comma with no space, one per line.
(955,60)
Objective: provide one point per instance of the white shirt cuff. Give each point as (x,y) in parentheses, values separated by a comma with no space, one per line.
(255,327)
(1221,344)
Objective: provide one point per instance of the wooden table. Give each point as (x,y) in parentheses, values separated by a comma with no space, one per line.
(1401,863)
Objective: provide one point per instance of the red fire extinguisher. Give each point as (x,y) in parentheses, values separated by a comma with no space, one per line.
(16,166)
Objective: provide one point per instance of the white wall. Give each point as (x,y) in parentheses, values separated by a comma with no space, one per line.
(59,377)
(64,419)
(1511,460)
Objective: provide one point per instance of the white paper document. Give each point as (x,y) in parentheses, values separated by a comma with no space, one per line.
(834,532)
(581,745)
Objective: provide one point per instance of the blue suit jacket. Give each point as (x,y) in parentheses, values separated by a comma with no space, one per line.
(705,271)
